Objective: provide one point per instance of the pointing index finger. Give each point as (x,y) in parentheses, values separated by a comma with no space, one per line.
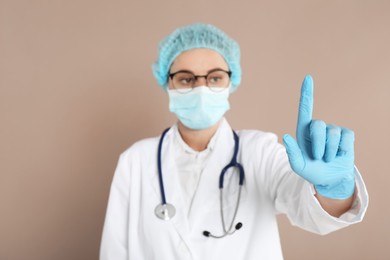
(305,108)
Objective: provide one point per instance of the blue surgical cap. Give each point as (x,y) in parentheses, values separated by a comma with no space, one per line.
(197,36)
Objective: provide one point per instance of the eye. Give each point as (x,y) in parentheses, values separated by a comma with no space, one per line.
(214,79)
(186,80)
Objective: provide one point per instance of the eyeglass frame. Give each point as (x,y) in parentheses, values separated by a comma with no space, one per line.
(171,75)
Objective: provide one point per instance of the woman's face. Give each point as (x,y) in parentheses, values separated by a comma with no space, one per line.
(199,62)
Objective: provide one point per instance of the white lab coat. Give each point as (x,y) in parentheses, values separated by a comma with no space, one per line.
(132,231)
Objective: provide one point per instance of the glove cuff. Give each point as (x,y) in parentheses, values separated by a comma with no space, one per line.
(341,191)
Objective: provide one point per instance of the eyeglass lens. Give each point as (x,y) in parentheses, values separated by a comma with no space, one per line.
(214,79)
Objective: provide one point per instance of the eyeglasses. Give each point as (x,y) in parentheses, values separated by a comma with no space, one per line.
(184,81)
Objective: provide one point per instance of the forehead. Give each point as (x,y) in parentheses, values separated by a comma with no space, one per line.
(199,60)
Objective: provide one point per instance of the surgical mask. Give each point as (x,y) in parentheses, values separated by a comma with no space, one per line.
(200,108)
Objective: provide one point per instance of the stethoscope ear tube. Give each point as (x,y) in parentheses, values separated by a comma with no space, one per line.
(237,227)
(225,230)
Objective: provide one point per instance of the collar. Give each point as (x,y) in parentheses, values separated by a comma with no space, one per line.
(223,127)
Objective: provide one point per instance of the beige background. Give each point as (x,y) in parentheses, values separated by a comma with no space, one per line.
(76,89)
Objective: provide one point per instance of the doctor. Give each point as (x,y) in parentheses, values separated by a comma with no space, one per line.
(204,191)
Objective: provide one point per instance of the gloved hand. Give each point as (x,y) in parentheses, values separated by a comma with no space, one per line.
(323,154)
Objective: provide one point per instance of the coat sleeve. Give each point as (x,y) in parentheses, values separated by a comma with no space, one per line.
(115,231)
(294,196)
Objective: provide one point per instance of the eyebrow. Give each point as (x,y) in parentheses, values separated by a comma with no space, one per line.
(190,71)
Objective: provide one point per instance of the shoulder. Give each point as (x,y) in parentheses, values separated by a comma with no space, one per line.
(141,150)
(257,137)
(257,141)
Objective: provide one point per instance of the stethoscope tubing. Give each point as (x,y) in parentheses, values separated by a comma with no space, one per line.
(160,177)
(233,163)
(166,211)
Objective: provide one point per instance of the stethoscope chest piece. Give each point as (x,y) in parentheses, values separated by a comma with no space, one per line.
(165,211)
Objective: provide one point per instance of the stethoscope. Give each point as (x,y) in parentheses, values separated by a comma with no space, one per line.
(167,211)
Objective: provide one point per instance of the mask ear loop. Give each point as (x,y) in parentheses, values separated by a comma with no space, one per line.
(166,86)
(230,87)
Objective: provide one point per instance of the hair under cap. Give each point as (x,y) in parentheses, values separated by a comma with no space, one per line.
(197,36)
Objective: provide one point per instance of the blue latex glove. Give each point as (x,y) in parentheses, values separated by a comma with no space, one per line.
(323,154)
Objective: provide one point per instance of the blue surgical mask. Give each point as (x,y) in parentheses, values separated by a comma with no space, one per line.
(200,108)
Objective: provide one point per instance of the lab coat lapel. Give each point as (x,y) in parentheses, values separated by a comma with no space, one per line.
(207,196)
